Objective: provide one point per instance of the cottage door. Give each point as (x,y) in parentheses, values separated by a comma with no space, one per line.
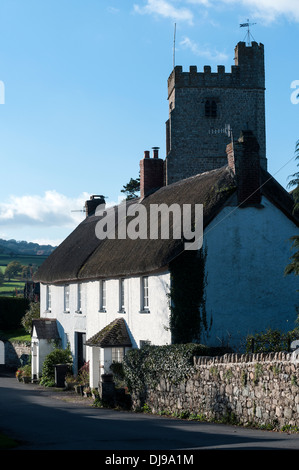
(80,343)
(34,365)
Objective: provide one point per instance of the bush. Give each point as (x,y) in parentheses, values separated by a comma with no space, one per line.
(31,313)
(57,356)
(149,364)
(83,374)
(270,341)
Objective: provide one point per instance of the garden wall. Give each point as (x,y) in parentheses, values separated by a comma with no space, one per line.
(260,389)
(16,354)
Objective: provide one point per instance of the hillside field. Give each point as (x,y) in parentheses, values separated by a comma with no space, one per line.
(10,287)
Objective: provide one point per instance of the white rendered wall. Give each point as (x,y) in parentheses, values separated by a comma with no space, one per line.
(141,326)
(151,326)
(69,322)
(247,292)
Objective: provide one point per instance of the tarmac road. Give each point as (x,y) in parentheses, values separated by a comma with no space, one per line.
(42,419)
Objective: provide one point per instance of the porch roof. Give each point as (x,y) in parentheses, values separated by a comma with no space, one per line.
(46,328)
(112,335)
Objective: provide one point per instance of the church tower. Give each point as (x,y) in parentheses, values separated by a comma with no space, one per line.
(204,107)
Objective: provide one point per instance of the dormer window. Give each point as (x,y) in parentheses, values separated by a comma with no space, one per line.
(210,108)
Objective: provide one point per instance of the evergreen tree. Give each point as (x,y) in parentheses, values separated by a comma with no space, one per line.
(293,267)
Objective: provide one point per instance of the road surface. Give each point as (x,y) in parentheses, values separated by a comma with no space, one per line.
(43,420)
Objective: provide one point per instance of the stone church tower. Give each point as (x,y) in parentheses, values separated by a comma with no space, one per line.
(204,105)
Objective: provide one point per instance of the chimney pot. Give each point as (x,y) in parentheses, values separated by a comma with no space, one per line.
(156,152)
(146,154)
(94,201)
(151,173)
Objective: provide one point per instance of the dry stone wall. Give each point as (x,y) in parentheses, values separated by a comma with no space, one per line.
(16,354)
(260,389)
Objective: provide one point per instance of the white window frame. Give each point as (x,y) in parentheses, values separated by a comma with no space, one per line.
(79,298)
(48,298)
(144,295)
(117,354)
(122,295)
(103,295)
(66,298)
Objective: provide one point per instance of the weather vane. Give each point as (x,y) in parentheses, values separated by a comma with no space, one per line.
(248,34)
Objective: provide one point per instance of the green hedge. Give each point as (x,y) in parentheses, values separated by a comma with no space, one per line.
(12,309)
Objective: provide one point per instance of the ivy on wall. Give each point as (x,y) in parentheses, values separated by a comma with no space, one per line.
(145,367)
(187,296)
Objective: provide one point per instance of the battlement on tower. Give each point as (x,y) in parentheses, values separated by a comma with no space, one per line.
(248,71)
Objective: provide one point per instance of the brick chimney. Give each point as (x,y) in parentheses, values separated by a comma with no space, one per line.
(93,202)
(151,173)
(244,160)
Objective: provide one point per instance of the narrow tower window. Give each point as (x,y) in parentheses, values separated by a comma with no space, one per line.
(210,108)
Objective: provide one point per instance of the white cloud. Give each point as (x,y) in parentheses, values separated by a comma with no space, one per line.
(113,10)
(205,51)
(165,9)
(268,10)
(49,210)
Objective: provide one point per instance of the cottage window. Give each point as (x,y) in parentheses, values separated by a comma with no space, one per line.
(144,307)
(144,342)
(67,298)
(102,306)
(122,295)
(117,354)
(79,298)
(48,298)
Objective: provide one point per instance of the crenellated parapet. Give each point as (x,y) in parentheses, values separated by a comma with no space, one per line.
(248,71)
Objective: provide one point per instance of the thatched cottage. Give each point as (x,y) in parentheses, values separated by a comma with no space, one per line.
(108,294)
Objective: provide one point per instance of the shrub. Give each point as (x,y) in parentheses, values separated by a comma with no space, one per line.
(83,374)
(270,341)
(149,364)
(57,356)
(31,313)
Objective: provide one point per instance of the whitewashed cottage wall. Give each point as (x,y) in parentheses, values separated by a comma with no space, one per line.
(152,326)
(247,291)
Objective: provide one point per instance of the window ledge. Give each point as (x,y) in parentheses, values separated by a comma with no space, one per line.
(102,310)
(66,311)
(121,311)
(145,311)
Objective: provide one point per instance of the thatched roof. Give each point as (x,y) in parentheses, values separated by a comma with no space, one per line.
(83,256)
(113,335)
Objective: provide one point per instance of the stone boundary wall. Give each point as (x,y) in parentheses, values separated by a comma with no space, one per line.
(16,353)
(260,389)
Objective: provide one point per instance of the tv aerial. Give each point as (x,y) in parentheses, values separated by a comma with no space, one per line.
(248,34)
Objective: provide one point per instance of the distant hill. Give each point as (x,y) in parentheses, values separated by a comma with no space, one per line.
(24,248)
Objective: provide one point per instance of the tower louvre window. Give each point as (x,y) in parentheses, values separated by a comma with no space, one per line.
(210,108)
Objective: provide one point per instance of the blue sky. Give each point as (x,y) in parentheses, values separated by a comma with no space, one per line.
(86,93)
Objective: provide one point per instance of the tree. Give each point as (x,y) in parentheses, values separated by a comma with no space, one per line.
(131,188)
(13,269)
(32,313)
(1,278)
(293,267)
